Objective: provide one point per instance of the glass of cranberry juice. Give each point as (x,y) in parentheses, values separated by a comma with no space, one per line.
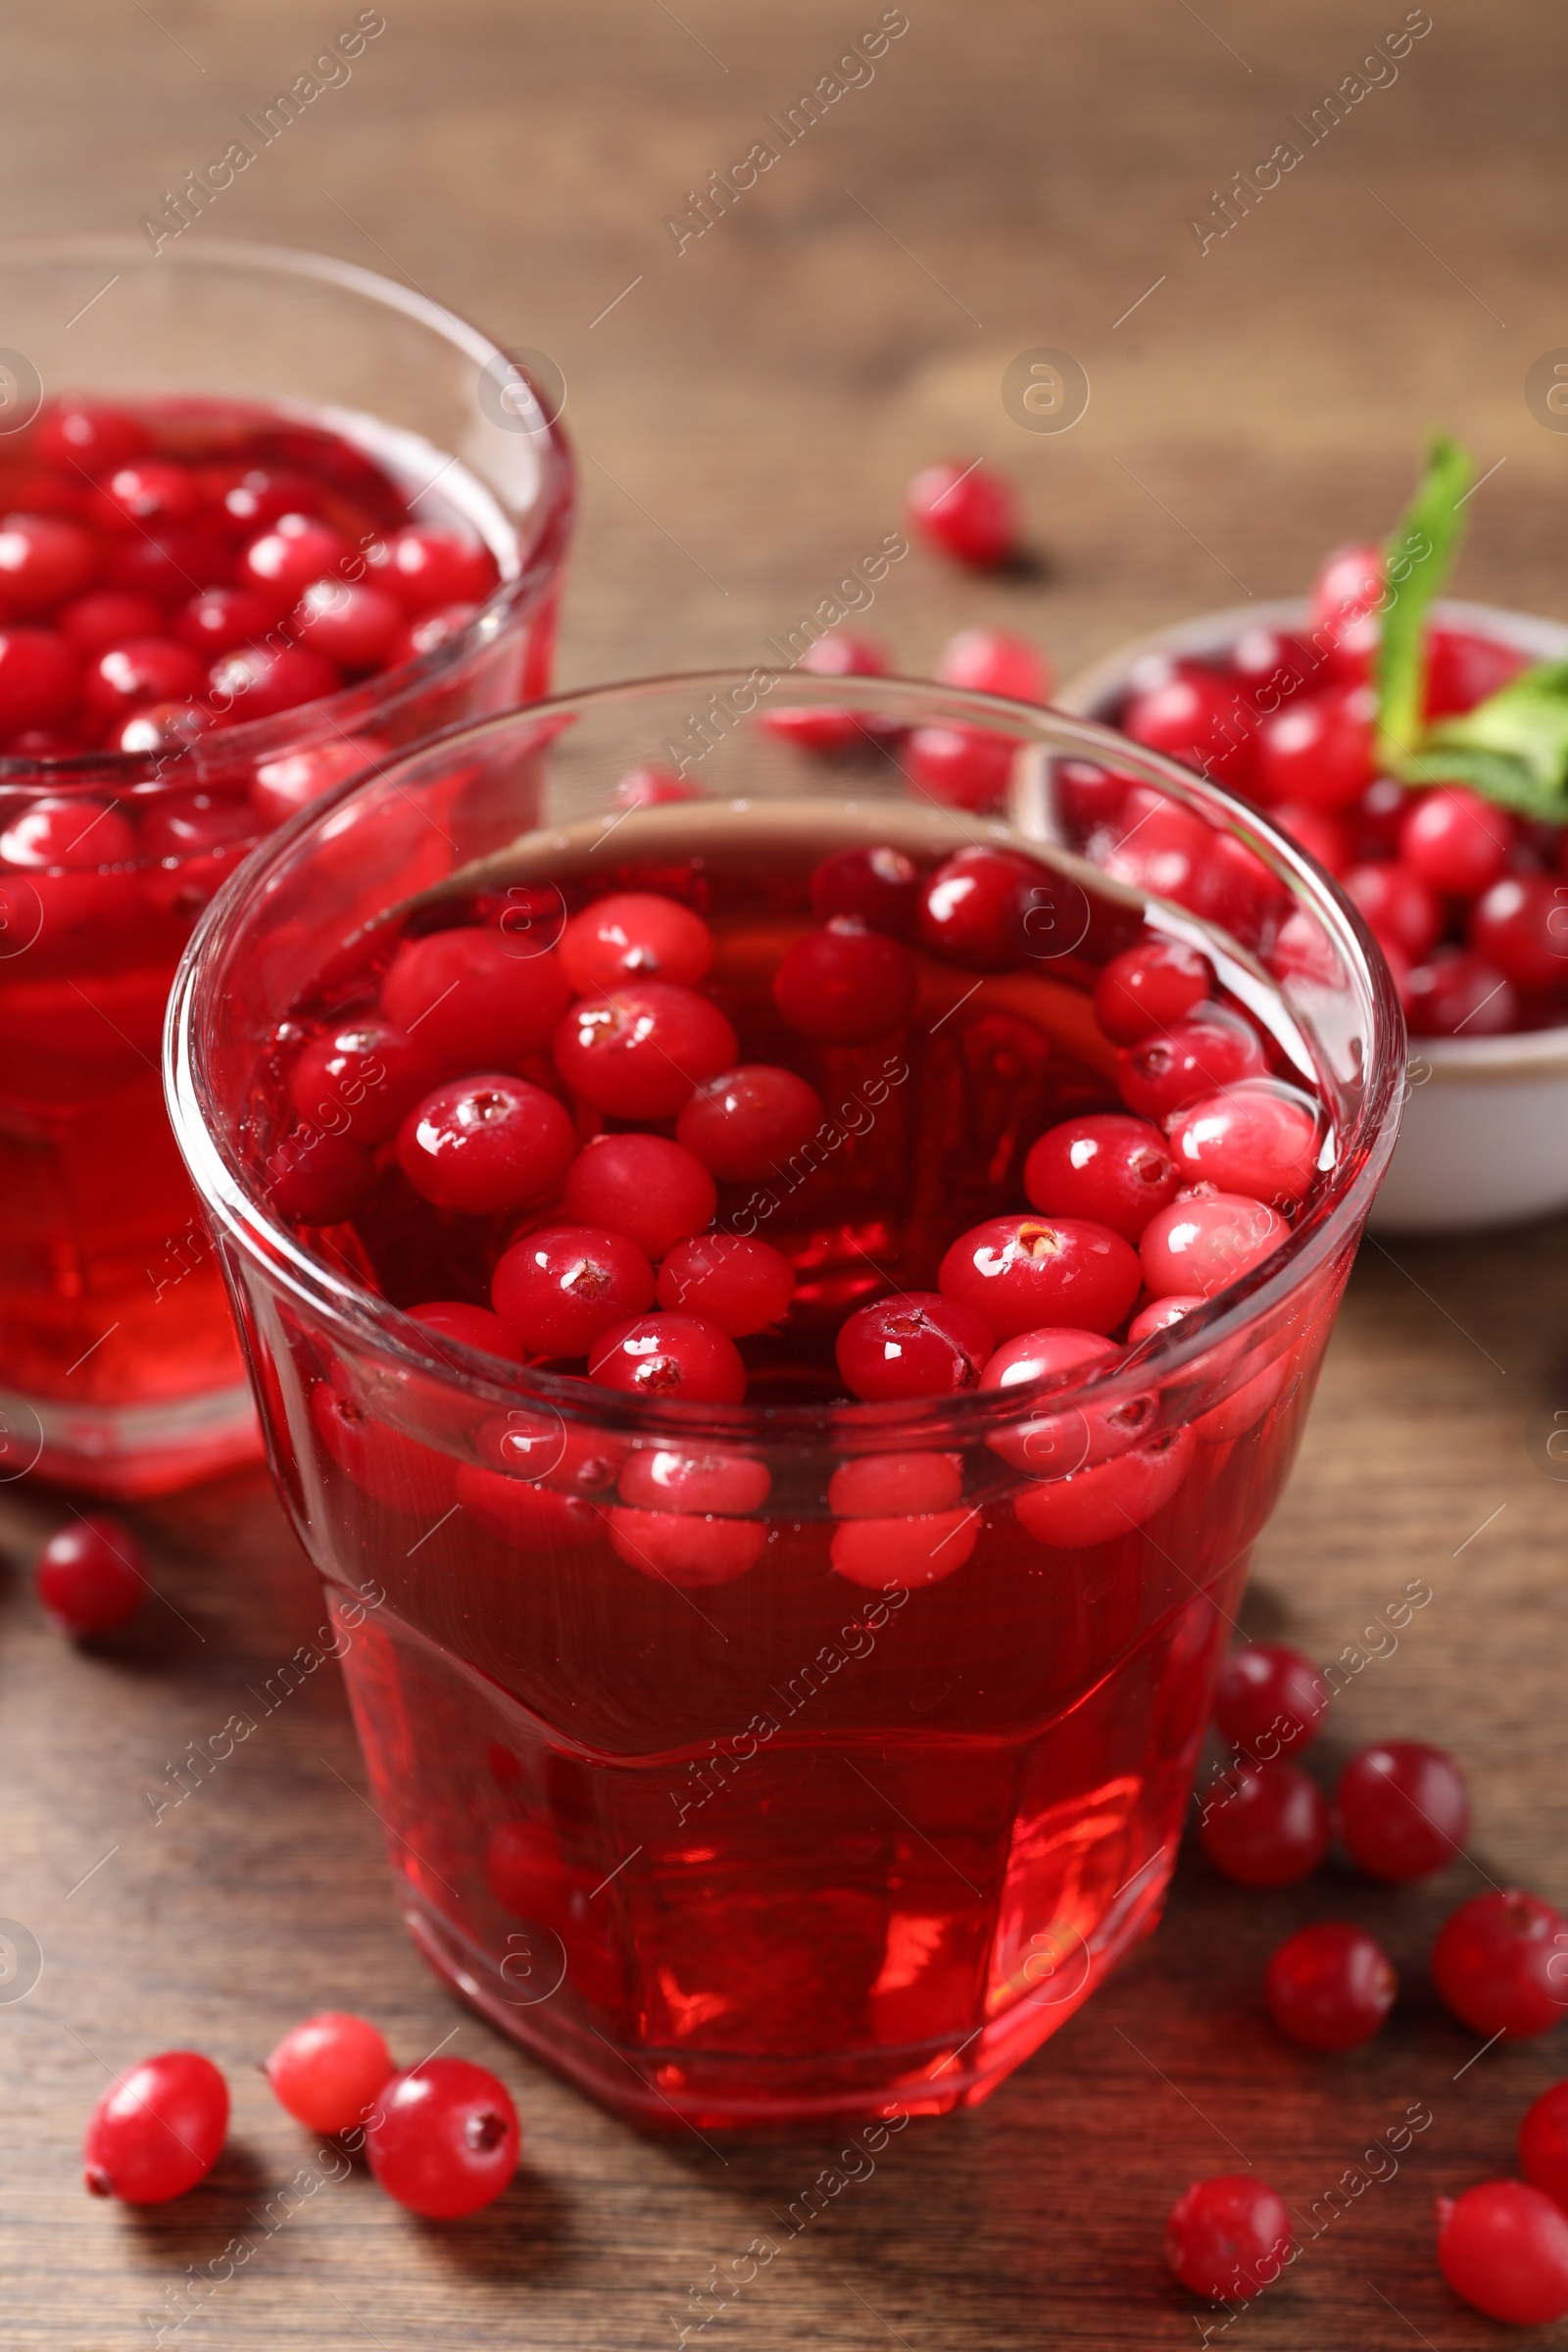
(781,1675)
(264,521)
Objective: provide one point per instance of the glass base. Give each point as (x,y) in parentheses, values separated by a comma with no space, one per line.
(124,1451)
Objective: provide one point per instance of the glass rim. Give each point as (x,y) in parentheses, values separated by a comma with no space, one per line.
(1367,1141)
(348,708)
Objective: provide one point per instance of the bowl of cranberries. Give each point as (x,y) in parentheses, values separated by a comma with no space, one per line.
(1415,746)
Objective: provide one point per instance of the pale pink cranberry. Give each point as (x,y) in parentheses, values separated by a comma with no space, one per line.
(470,996)
(746,1123)
(845,985)
(915,1344)
(966,511)
(664,1479)
(283,561)
(882,1485)
(89,436)
(1210,1048)
(1106,1500)
(1463,670)
(362,1077)
(326,2071)
(655,1191)
(1150,986)
(1114,1170)
(1520,927)
(686,1547)
(1456,994)
(1204,1244)
(728,1279)
(486,1143)
(1260,1137)
(635,935)
(423,568)
(651,788)
(1035,1273)
(990,661)
(258,681)
(453,1325)
(841,654)
(563,1288)
(107,616)
(639,1050)
(1455,841)
(318,1179)
(38,673)
(150,669)
(1161,1314)
(961,768)
(280,787)
(668,1357)
(43,560)
(908,1550)
(878,887)
(1198,718)
(346,622)
(1397,904)
(973,908)
(1317,753)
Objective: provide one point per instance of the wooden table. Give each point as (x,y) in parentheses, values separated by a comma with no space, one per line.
(746,411)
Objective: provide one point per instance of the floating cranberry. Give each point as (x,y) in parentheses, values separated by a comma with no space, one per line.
(259,681)
(346,622)
(1107,1500)
(915,1344)
(1520,929)
(1268,1697)
(1463,670)
(845,985)
(561,1287)
(424,567)
(1034,1273)
(43,560)
(1203,1245)
(639,1050)
(1209,1050)
(414,639)
(747,1123)
(973,908)
(635,935)
(1543,2144)
(90,1577)
(169,565)
(1455,841)
(298,551)
(1161,1314)
(1330,1987)
(245,499)
(912,1548)
(158,2130)
(877,887)
(1404,1810)
(883,1485)
(1500,1963)
(966,511)
(1266,1825)
(362,1077)
(1397,904)
(486,1143)
(687,1549)
(841,654)
(37,678)
(318,1179)
(443,2140)
(1227,2237)
(150,669)
(187,825)
(1455,993)
(326,2071)
(161,731)
(282,786)
(664,1358)
(89,436)
(1258,1137)
(990,661)
(150,492)
(1198,718)
(531,1518)
(1150,986)
(1503,2247)
(661,1479)
(655,1191)
(739,1284)
(76,834)
(1115,1171)
(473,996)
(959,768)
(452,1324)
(1055,1443)
(107,616)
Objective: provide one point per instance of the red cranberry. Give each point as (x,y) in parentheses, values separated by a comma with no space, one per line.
(1105,1500)
(841,654)
(639,1050)
(1455,841)
(1115,1171)
(990,661)
(966,511)
(1036,1273)
(158,2130)
(1198,718)
(663,1357)
(886,1486)
(741,1284)
(634,935)
(915,1344)
(1268,1698)
(1543,2144)
(843,985)
(1330,1987)
(1455,993)
(877,887)
(1378,817)
(1317,753)
(1227,2237)
(1503,2247)
(1089,799)
(686,1548)
(318,1179)
(89,436)
(1151,987)
(1161,1316)
(486,1143)
(423,568)
(362,1077)
(655,1191)
(1270,668)
(43,560)
(76,834)
(1266,1826)
(908,1549)
(1500,1963)
(261,680)
(1463,670)
(1520,927)
(561,1287)
(1258,1137)
(973,908)
(1162,847)
(443,2140)
(1052,1444)
(326,2071)
(1209,1050)
(245,499)
(658,1479)
(297,551)
(1404,1810)
(162,731)
(651,788)
(529,1518)
(107,616)
(414,639)
(1203,1245)
(150,492)
(1322,836)
(453,1325)
(746,1123)
(282,786)
(37,678)
(475,996)
(1347,597)
(90,1577)
(150,669)
(1397,904)
(168,564)
(346,622)
(536,1444)
(959,768)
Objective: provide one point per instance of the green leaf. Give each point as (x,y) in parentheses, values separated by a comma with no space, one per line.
(1416,562)
(1513,747)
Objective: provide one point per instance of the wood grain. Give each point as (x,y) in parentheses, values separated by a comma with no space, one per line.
(746,413)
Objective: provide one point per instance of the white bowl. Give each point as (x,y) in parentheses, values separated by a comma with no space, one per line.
(1485,1137)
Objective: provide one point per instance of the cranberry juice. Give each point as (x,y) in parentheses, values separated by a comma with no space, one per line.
(169,571)
(776,1707)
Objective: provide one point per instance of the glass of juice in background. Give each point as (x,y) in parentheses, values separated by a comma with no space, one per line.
(161,707)
(786,1755)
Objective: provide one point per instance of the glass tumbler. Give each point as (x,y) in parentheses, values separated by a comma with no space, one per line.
(752,1808)
(120,1370)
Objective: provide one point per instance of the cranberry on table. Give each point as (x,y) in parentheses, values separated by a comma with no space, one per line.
(443,2140)
(877,887)
(88,436)
(451,1322)
(473,996)
(346,622)
(1330,1987)
(973,908)
(1033,1273)
(259,681)
(1455,993)
(1203,1245)
(1317,753)
(1503,2247)
(746,1123)
(845,985)
(43,560)
(486,1143)
(966,511)
(917,1343)
(1266,1825)
(990,661)
(1211,1048)
(639,1050)
(1397,904)
(1227,2237)
(1115,1171)
(1500,1963)
(841,654)
(732,1280)
(1455,841)
(561,1287)
(158,2130)
(655,1191)
(663,1357)
(634,935)
(38,672)
(1151,987)
(318,1179)
(1195,716)
(961,767)
(1404,1811)
(1520,929)
(90,1577)
(327,2070)
(298,551)
(363,1075)
(107,616)
(1259,1137)
(1268,1698)
(1543,2142)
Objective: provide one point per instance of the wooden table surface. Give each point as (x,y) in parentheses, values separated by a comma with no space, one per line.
(746,410)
